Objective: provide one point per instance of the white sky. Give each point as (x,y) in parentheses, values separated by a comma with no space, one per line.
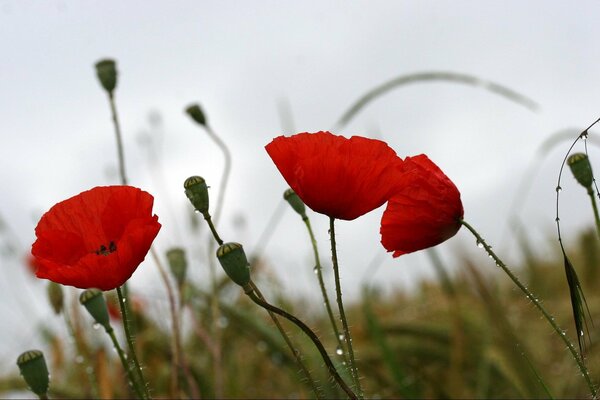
(241,60)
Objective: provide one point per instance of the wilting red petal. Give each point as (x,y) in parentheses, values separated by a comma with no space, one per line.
(425,211)
(96,239)
(339,177)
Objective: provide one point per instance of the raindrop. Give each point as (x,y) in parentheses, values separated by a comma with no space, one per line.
(490,256)
(479,244)
(558,189)
(339,351)
(79,359)
(581,333)
(197,211)
(96,325)
(557,219)
(123,300)
(584,135)
(341,336)
(316,269)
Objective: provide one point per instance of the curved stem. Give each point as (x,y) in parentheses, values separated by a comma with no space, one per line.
(326,301)
(288,341)
(213,230)
(226,170)
(582,368)
(131,345)
(311,335)
(340,303)
(133,382)
(120,152)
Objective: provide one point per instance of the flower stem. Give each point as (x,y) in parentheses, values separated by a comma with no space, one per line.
(288,341)
(578,359)
(120,152)
(131,345)
(226,170)
(340,303)
(326,301)
(315,339)
(213,230)
(133,381)
(595,208)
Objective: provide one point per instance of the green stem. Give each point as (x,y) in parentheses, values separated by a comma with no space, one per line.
(340,303)
(131,345)
(310,334)
(578,360)
(595,207)
(133,382)
(288,341)
(326,301)
(226,170)
(43,396)
(120,152)
(213,229)
(81,350)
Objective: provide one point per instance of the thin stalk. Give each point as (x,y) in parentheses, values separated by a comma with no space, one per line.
(326,301)
(288,341)
(578,360)
(130,344)
(213,230)
(120,152)
(226,170)
(311,335)
(595,207)
(340,303)
(81,350)
(133,382)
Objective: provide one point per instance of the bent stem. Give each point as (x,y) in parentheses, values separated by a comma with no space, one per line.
(340,303)
(319,273)
(133,382)
(131,345)
(578,359)
(315,339)
(595,208)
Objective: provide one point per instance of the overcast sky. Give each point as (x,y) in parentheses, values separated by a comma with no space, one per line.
(245,62)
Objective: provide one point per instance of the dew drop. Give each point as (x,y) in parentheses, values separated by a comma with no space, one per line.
(197,211)
(558,189)
(557,219)
(79,359)
(339,351)
(584,135)
(479,244)
(341,336)
(316,269)
(96,326)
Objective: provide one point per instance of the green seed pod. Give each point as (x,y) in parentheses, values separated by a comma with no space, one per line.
(93,301)
(297,204)
(177,264)
(581,169)
(35,371)
(55,296)
(233,260)
(196,113)
(107,74)
(197,191)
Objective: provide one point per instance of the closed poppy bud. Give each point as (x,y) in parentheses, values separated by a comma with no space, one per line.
(197,114)
(297,204)
(581,169)
(177,263)
(234,262)
(93,301)
(197,191)
(55,296)
(35,371)
(107,74)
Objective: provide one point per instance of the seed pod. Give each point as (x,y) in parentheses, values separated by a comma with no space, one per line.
(34,370)
(297,204)
(581,169)
(55,296)
(233,260)
(93,301)
(196,113)
(177,264)
(107,74)
(197,191)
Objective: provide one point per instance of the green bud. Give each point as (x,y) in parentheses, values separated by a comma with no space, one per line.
(197,191)
(178,264)
(196,113)
(297,204)
(93,301)
(107,74)
(581,169)
(55,296)
(233,260)
(35,371)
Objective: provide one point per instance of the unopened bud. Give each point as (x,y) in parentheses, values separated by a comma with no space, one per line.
(581,169)
(197,191)
(233,260)
(177,264)
(196,113)
(107,74)
(297,204)
(93,301)
(55,296)
(35,371)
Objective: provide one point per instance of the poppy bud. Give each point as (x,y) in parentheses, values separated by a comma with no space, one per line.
(107,74)
(55,296)
(581,169)
(233,260)
(197,114)
(197,191)
(297,204)
(178,264)
(93,301)
(35,371)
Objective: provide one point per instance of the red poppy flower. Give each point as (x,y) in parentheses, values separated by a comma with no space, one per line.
(339,177)
(96,239)
(425,211)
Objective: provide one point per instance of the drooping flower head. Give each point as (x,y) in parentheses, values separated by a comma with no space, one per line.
(425,210)
(96,239)
(341,178)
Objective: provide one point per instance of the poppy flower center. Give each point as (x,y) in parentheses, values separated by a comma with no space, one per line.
(104,251)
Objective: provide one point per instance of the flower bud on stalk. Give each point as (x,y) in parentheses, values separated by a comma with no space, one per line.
(93,301)
(197,191)
(177,264)
(233,260)
(107,74)
(297,204)
(581,169)
(196,113)
(55,296)
(35,372)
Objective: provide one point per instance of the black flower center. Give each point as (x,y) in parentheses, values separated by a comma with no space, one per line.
(104,251)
